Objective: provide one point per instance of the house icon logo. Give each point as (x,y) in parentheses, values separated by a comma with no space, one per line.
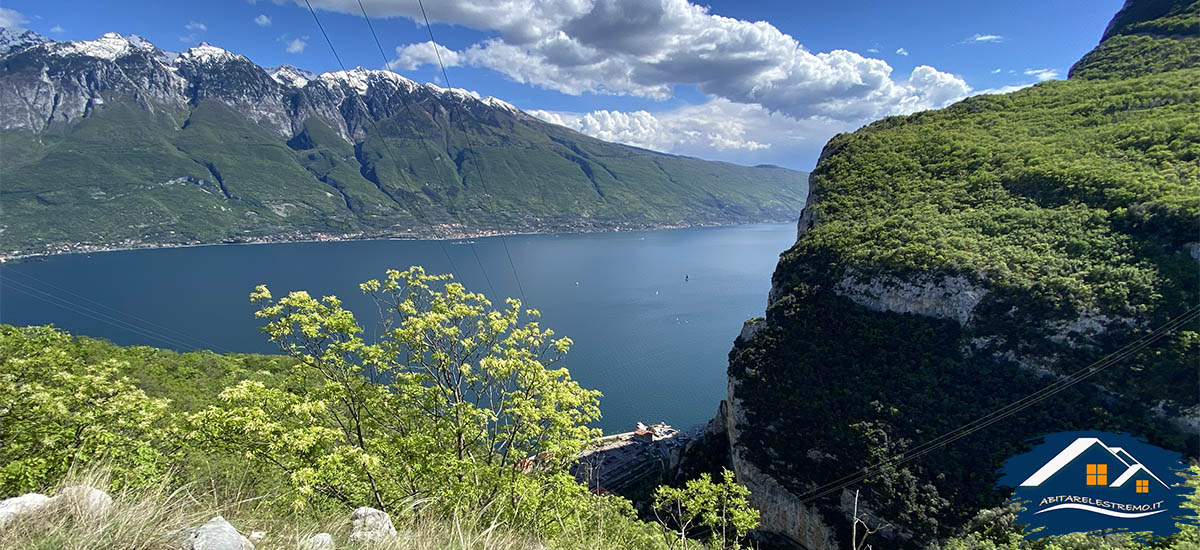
(1086,481)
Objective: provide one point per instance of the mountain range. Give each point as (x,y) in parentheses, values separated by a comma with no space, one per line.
(115,142)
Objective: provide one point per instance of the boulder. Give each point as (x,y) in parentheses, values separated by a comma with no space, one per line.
(10,508)
(83,500)
(370,525)
(319,541)
(217,534)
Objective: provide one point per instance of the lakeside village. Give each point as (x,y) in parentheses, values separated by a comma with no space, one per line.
(438,232)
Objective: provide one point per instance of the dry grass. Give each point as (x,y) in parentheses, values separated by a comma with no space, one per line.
(149,518)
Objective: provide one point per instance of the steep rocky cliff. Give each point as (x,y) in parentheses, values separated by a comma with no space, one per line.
(116,142)
(951,262)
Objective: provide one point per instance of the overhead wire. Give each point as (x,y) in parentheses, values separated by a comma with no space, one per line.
(371,121)
(1006,411)
(34,283)
(471,146)
(93,314)
(425,146)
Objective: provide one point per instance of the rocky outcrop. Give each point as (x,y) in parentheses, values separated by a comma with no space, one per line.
(319,541)
(217,534)
(12,508)
(943,297)
(780,511)
(77,501)
(83,501)
(371,525)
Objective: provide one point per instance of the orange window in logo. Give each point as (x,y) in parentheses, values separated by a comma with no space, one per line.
(1143,486)
(1097,474)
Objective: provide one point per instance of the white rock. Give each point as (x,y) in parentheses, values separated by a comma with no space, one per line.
(217,534)
(944,297)
(10,508)
(257,536)
(319,541)
(370,525)
(83,500)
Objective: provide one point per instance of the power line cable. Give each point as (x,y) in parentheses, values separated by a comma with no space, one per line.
(1008,410)
(425,145)
(467,135)
(34,282)
(97,315)
(1012,408)
(371,121)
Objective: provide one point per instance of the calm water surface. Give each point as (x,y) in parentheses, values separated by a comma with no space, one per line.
(654,344)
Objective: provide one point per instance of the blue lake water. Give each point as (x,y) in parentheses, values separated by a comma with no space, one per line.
(654,344)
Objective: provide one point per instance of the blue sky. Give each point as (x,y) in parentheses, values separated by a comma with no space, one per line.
(745,81)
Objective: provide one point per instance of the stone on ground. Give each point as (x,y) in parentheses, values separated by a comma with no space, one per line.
(217,534)
(371,525)
(27,503)
(319,541)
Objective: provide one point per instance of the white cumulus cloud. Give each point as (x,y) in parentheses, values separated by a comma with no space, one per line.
(648,48)
(296,45)
(719,129)
(985,38)
(1042,74)
(262,20)
(12,18)
(195,26)
(902,51)
(422,53)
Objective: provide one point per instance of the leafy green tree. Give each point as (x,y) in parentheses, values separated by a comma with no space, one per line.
(721,507)
(456,405)
(58,412)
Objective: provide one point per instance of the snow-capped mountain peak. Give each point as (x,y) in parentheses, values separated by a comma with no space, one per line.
(207,53)
(360,79)
(12,40)
(291,76)
(462,95)
(110,46)
(356,78)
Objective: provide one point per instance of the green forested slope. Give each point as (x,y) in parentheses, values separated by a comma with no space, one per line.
(127,176)
(1067,201)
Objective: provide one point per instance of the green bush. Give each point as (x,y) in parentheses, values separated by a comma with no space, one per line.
(58,412)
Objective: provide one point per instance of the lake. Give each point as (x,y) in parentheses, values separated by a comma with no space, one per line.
(654,343)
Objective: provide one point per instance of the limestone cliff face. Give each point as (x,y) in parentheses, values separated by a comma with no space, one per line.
(781,511)
(917,298)
(954,298)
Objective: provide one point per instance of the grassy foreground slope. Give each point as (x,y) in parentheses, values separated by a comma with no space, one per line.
(1073,206)
(77,410)
(458,420)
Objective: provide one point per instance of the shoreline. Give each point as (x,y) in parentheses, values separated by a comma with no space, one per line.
(324,238)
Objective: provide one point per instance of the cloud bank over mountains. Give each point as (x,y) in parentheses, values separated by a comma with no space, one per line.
(641,48)
(765,88)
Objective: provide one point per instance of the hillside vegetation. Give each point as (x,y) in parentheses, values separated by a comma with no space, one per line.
(208,147)
(459,421)
(1069,209)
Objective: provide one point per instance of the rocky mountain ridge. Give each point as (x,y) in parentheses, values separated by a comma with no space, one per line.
(104,136)
(278,98)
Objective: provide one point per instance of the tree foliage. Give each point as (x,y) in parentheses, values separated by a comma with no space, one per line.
(720,508)
(456,405)
(58,412)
